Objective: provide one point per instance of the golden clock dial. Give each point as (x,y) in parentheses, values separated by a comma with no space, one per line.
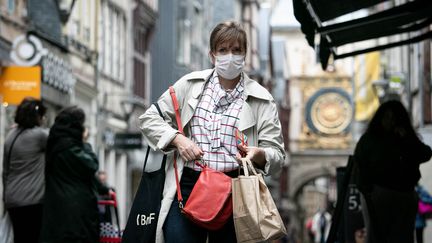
(329,111)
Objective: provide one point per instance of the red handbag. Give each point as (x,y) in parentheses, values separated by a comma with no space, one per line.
(209,204)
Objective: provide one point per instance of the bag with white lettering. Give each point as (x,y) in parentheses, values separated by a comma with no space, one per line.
(143,217)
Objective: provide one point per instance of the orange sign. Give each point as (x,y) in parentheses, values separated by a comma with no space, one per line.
(17,83)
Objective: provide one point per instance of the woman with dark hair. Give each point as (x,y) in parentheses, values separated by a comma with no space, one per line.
(23,170)
(388,156)
(70,209)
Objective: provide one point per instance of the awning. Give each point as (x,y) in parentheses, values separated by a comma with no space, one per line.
(333,21)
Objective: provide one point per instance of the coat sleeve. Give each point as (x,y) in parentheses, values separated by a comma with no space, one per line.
(270,138)
(159,132)
(424,154)
(86,160)
(101,188)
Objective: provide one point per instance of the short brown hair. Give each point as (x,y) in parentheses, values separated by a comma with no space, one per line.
(228,31)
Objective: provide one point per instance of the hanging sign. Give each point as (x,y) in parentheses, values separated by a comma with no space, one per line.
(27,50)
(128,141)
(16,83)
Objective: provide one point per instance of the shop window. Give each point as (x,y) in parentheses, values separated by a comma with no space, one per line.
(183,34)
(139,78)
(11,6)
(112,41)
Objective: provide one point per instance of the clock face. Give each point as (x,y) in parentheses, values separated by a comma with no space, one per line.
(329,111)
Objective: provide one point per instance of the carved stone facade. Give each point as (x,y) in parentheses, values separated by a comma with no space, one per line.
(325,105)
(320,131)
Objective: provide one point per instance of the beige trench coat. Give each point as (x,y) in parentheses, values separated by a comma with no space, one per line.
(258,120)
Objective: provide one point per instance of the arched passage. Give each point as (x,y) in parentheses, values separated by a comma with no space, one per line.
(307,166)
(308,177)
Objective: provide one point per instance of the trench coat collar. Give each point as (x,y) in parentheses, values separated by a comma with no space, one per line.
(252,88)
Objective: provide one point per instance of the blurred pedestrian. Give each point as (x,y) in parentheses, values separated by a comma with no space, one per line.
(102,187)
(102,177)
(321,222)
(102,183)
(214,105)
(388,156)
(420,222)
(23,170)
(310,233)
(70,210)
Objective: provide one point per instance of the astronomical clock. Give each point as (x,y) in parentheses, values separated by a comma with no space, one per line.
(327,114)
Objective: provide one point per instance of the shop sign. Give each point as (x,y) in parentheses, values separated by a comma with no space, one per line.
(128,141)
(27,50)
(17,83)
(57,73)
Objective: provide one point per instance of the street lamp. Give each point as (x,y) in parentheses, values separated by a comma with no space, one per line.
(65,9)
(389,89)
(128,102)
(128,105)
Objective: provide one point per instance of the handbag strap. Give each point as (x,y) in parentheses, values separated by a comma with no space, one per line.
(176,109)
(180,128)
(7,161)
(11,147)
(148,147)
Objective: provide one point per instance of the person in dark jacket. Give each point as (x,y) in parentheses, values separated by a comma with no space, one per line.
(70,210)
(23,170)
(388,156)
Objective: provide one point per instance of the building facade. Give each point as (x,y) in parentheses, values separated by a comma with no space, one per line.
(318,118)
(38,24)
(93,54)
(124,32)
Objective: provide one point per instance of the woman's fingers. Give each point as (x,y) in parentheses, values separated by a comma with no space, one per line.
(238,158)
(243,148)
(183,155)
(188,155)
(198,153)
(187,148)
(190,151)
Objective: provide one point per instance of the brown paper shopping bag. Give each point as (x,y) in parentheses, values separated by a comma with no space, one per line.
(256,217)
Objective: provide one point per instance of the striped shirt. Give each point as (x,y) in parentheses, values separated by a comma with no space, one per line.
(214,123)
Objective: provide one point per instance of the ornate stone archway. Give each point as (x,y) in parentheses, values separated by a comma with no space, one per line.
(305,166)
(308,165)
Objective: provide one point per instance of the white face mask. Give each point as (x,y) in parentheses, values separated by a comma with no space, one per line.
(229,66)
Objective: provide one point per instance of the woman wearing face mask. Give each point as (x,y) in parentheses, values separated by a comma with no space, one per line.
(215,104)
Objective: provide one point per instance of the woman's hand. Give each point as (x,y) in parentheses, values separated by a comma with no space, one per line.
(85,134)
(187,148)
(255,154)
